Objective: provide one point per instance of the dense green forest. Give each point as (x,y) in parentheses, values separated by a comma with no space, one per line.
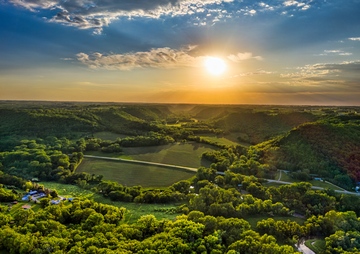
(44,141)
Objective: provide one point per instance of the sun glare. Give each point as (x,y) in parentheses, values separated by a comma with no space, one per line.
(215,65)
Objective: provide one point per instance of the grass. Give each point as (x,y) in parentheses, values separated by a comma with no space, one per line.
(229,139)
(316,245)
(134,210)
(17,207)
(131,174)
(286,178)
(187,154)
(253,220)
(106,135)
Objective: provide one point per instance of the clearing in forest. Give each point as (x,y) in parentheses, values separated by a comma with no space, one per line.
(183,154)
(131,174)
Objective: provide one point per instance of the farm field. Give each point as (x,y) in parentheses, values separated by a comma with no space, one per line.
(187,155)
(131,174)
(134,210)
(228,139)
(107,135)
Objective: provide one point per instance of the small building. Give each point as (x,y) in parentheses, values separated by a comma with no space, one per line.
(26,207)
(317,179)
(15,202)
(32,192)
(70,199)
(55,202)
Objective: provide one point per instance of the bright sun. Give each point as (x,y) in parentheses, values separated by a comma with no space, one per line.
(215,65)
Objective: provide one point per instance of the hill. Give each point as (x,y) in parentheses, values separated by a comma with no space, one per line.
(329,148)
(261,126)
(42,122)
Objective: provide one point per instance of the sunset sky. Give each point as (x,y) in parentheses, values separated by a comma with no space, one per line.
(273,52)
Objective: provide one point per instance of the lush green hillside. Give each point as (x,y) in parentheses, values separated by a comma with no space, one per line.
(260,126)
(129,119)
(330,148)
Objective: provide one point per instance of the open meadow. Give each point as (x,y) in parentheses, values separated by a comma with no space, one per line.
(107,135)
(228,139)
(183,154)
(134,210)
(131,174)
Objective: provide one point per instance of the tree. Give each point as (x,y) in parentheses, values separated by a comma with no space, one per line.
(54,194)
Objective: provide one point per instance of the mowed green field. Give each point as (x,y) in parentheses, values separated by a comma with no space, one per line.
(131,174)
(134,210)
(229,139)
(106,135)
(187,155)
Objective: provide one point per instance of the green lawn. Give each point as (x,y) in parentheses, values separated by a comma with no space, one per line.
(229,139)
(286,178)
(130,174)
(316,245)
(135,211)
(106,135)
(187,155)
(253,220)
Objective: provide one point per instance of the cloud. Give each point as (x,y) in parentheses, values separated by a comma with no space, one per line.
(243,56)
(97,14)
(338,52)
(165,58)
(347,73)
(355,39)
(67,59)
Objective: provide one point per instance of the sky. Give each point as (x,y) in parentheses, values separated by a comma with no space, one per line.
(303,52)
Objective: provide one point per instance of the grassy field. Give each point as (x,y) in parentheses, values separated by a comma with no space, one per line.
(134,210)
(17,207)
(316,245)
(253,220)
(106,135)
(187,155)
(229,139)
(130,174)
(286,178)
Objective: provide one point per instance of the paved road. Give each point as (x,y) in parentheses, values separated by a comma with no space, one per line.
(142,162)
(314,187)
(195,170)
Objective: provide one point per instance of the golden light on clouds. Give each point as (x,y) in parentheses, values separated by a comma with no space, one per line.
(215,65)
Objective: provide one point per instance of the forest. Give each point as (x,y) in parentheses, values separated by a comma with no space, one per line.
(213,210)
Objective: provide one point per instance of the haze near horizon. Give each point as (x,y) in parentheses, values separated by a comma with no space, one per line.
(290,52)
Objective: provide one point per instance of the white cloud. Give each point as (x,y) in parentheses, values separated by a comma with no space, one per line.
(66,59)
(332,51)
(290,3)
(345,54)
(165,58)
(243,56)
(97,14)
(355,39)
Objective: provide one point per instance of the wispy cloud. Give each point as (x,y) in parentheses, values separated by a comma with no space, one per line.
(355,39)
(243,56)
(166,58)
(347,73)
(97,14)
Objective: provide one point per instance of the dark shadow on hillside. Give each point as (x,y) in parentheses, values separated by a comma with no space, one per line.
(205,163)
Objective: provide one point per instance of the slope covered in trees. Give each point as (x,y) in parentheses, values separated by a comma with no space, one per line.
(260,126)
(128,119)
(329,148)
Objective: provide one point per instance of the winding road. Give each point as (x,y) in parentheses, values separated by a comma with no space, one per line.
(195,170)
